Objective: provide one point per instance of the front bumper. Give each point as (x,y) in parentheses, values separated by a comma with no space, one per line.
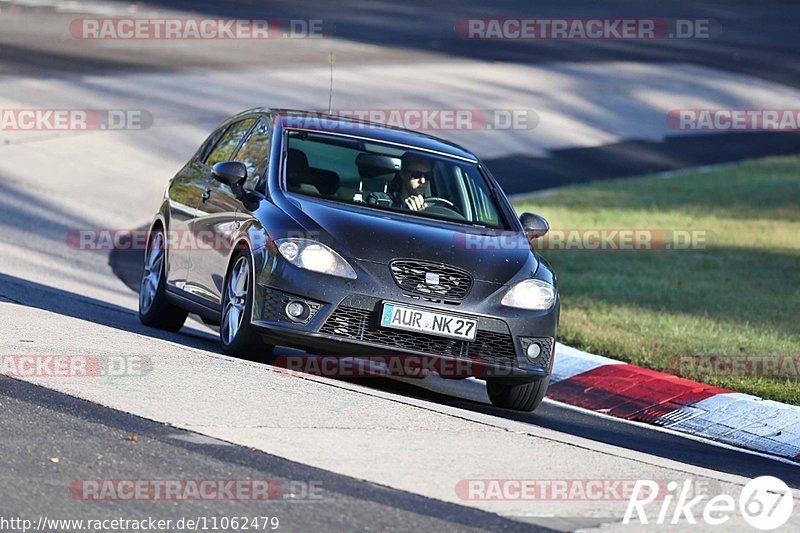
(344,319)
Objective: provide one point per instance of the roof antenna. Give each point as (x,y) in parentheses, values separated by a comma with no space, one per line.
(331,59)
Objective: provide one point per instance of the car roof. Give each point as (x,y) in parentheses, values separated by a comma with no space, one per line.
(324,122)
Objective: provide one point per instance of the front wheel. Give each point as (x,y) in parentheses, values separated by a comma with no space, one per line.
(236,334)
(520,396)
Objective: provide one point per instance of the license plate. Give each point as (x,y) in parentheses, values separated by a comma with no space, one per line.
(440,324)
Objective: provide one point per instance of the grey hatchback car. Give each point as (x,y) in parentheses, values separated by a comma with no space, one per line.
(339,236)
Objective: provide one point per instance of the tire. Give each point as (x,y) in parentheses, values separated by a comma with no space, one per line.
(236,335)
(519,396)
(155,310)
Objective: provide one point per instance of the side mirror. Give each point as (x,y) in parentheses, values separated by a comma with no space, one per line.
(231,173)
(534,225)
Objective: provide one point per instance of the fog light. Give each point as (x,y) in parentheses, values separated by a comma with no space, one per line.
(534,350)
(296,310)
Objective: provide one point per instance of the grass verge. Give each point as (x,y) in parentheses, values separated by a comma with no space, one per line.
(734,293)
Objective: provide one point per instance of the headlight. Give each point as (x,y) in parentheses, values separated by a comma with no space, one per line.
(533,294)
(312,255)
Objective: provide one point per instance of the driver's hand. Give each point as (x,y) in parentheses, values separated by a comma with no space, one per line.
(416,202)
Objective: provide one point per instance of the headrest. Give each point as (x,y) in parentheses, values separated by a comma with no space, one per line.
(377,166)
(296,166)
(327,181)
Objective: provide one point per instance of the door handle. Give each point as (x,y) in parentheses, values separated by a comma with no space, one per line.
(206,195)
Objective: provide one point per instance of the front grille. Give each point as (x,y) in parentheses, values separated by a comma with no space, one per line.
(452,283)
(359,325)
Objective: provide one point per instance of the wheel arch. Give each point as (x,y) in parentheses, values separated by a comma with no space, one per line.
(159,222)
(243,244)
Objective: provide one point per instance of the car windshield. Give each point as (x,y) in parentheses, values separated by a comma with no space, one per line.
(389,177)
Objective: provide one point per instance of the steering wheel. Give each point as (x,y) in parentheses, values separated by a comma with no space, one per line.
(438,199)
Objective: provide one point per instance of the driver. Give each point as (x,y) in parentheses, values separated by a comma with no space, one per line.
(415,175)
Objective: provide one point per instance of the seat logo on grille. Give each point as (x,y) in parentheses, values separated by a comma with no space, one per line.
(431,278)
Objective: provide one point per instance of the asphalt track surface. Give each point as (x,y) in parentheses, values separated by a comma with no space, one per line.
(758,41)
(551,415)
(92,441)
(386,454)
(755,41)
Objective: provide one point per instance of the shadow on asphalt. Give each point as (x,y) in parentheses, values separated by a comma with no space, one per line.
(737,41)
(519,174)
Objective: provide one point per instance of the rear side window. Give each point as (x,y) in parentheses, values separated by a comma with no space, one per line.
(227,145)
(210,143)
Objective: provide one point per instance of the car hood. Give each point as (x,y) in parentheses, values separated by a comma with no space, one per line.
(371,235)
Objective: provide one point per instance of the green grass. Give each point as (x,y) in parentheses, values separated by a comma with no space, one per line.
(739,294)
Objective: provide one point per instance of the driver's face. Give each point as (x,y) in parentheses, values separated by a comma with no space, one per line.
(416,176)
